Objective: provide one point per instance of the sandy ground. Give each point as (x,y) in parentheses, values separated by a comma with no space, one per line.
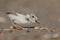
(47,12)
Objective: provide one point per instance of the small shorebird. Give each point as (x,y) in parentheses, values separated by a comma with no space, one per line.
(20,21)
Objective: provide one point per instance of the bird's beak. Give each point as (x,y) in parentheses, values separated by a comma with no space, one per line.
(37,21)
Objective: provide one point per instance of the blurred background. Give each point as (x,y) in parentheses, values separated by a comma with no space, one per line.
(48,12)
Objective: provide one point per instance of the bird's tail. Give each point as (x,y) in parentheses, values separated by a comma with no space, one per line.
(10,15)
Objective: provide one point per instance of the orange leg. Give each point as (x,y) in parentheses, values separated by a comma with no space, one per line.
(15,26)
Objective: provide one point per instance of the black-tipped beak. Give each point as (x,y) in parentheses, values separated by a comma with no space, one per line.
(37,21)
(8,13)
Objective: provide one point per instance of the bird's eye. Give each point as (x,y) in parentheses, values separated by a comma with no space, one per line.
(32,16)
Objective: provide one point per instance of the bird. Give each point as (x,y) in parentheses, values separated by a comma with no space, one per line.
(26,20)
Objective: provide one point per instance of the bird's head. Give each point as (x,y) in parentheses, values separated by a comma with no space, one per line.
(32,18)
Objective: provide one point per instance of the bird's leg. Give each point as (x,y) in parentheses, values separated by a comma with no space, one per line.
(15,26)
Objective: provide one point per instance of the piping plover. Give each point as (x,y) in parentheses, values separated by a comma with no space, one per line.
(24,20)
